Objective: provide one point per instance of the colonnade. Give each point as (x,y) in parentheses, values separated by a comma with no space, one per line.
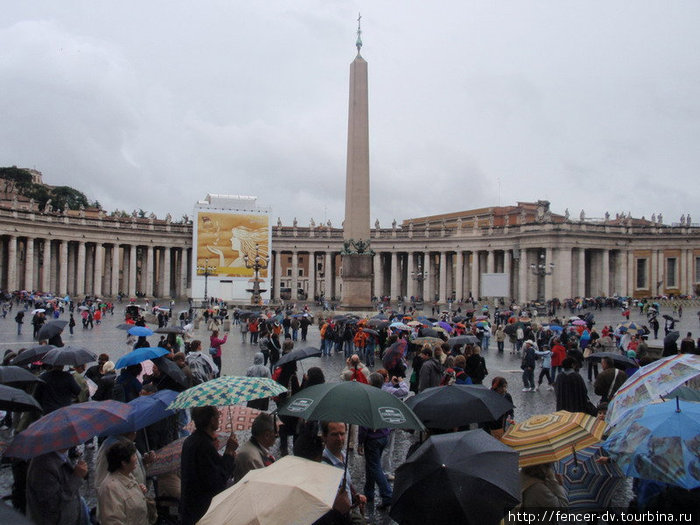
(83,267)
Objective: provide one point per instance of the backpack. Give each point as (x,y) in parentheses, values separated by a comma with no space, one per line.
(358,376)
(200,368)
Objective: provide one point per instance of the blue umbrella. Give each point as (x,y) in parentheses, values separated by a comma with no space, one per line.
(139,355)
(145,410)
(555,328)
(660,442)
(140,331)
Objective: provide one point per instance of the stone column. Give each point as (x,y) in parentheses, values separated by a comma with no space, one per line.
(410,281)
(549,279)
(581,277)
(476,274)
(148,288)
(378,275)
(132,270)
(80,270)
(394,277)
(522,277)
(295,275)
(311,292)
(184,272)
(622,273)
(12,263)
(63,268)
(46,267)
(428,294)
(490,262)
(29,264)
(328,275)
(167,290)
(277,262)
(459,275)
(563,262)
(98,270)
(114,288)
(654,272)
(443,278)
(605,275)
(507,268)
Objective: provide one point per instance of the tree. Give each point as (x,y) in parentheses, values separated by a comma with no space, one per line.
(66,197)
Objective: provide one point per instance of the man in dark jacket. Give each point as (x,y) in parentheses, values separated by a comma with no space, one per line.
(688,344)
(430,371)
(570,388)
(609,380)
(204,472)
(58,389)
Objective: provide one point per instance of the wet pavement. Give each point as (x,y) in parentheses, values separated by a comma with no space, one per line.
(238,356)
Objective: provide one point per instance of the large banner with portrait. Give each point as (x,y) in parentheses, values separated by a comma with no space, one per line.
(225,239)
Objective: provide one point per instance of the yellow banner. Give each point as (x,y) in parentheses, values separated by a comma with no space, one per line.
(224,238)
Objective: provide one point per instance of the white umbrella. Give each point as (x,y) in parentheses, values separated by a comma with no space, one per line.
(38,310)
(295,490)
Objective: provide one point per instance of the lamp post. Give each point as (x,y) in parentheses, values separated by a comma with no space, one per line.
(541,269)
(256,264)
(419,275)
(207,271)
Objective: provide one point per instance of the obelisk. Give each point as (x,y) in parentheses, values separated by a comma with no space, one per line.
(356,254)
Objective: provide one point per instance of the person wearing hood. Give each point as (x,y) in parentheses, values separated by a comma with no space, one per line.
(258,369)
(105,385)
(430,371)
(542,489)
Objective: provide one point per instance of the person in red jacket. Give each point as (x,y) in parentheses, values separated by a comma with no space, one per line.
(558,356)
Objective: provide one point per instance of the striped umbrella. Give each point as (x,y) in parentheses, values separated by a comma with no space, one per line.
(589,484)
(227,390)
(651,382)
(550,437)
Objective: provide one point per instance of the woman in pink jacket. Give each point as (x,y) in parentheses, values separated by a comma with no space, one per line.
(215,348)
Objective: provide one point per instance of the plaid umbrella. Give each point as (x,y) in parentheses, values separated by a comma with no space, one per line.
(67,427)
(589,484)
(550,437)
(652,381)
(227,390)
(235,418)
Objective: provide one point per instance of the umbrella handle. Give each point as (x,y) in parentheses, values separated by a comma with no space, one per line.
(347,455)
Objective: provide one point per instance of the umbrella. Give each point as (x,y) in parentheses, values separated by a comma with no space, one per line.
(35,353)
(574,318)
(297,491)
(427,341)
(68,355)
(168,458)
(170,330)
(10,375)
(652,381)
(125,326)
(140,331)
(433,485)
(671,337)
(66,427)
(37,311)
(234,418)
(440,330)
(463,340)
(668,317)
(589,484)
(414,323)
(228,390)
(351,402)
(298,355)
(511,329)
(618,359)
(170,369)
(454,406)
(145,410)
(551,437)
(399,326)
(579,322)
(370,331)
(139,355)
(51,329)
(83,308)
(555,328)
(429,332)
(445,326)
(18,400)
(660,443)
(686,393)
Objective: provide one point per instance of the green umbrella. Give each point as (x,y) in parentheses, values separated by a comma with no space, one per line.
(351,402)
(227,390)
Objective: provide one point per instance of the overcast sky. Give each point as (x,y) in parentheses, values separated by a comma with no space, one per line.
(153,104)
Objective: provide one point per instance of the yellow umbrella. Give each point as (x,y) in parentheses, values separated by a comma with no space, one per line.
(288,492)
(552,437)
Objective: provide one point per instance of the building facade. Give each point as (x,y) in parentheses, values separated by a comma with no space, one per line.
(434,258)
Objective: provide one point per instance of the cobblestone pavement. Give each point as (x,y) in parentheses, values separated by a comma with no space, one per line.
(238,356)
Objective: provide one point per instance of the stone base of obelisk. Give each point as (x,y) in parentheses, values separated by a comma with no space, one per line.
(357,283)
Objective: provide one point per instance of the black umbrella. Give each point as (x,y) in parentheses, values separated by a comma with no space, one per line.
(370,331)
(672,337)
(245,314)
(298,355)
(378,323)
(428,332)
(459,318)
(510,329)
(18,400)
(10,375)
(463,340)
(618,359)
(35,353)
(51,329)
(381,317)
(170,330)
(668,317)
(170,369)
(69,355)
(125,326)
(458,405)
(435,483)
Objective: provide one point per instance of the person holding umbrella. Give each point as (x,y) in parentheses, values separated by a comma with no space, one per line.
(542,488)
(58,389)
(609,380)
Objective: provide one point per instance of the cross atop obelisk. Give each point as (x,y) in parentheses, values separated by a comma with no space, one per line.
(357,255)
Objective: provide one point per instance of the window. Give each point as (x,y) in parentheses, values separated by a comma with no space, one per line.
(289,272)
(289,259)
(671,272)
(301,272)
(641,273)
